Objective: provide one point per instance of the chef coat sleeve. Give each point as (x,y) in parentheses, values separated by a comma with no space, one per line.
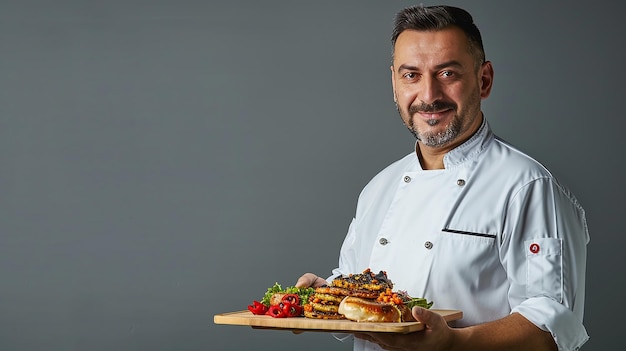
(543,249)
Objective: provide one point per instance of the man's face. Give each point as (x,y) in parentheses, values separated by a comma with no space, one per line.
(436,86)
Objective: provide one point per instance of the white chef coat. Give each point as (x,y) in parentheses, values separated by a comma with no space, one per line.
(491,234)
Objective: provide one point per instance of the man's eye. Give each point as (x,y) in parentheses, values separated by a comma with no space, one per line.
(410,75)
(447,73)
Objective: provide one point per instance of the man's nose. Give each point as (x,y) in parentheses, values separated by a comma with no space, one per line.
(429,90)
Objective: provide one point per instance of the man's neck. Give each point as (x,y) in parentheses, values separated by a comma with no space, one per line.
(430,158)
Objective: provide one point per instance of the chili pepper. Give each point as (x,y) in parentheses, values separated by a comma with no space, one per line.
(276,311)
(257,308)
(293,299)
(292,310)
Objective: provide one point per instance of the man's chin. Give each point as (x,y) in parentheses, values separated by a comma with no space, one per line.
(436,139)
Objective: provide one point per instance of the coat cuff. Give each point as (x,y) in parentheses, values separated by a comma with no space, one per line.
(548,315)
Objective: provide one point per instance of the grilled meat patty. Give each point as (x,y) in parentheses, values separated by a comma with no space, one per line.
(324,303)
(367,280)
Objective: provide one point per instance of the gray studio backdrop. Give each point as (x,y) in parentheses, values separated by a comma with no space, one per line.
(166,161)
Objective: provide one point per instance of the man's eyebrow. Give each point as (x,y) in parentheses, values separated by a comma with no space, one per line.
(451,63)
(405,67)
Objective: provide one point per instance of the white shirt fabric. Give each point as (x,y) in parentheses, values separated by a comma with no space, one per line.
(491,234)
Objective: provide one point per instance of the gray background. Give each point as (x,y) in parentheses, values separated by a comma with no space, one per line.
(165,161)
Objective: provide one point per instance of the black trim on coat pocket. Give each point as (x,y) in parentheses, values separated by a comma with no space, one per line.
(493,236)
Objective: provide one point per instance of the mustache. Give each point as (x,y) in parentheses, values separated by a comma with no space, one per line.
(430,108)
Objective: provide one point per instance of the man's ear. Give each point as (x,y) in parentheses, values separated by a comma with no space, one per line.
(393,85)
(486,79)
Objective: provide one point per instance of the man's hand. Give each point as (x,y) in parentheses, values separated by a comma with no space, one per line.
(511,333)
(437,335)
(310,280)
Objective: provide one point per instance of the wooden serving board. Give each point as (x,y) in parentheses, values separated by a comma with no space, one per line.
(246,318)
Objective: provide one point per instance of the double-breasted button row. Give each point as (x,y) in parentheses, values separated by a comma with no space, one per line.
(383,241)
(459,182)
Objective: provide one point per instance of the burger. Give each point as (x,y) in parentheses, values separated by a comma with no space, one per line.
(362,297)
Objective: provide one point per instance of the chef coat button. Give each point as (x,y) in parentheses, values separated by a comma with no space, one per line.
(383,241)
(428,245)
(407,179)
(460,182)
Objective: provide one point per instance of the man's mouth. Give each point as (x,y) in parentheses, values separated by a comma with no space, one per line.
(433,115)
(436,110)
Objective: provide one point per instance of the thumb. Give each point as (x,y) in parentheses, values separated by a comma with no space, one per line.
(306,280)
(426,317)
(303,282)
(310,280)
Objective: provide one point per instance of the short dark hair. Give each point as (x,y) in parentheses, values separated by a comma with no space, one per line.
(436,18)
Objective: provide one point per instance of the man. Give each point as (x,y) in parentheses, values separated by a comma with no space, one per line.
(466,220)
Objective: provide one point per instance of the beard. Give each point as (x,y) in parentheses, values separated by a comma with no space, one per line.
(432,139)
(442,138)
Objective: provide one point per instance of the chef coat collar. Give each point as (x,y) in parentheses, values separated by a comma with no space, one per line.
(471,148)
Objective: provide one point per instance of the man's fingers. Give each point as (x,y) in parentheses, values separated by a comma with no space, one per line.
(306,280)
(310,280)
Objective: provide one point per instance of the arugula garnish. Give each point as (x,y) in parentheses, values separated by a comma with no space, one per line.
(418,301)
(303,293)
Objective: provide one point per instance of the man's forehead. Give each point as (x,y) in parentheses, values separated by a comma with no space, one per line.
(449,44)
